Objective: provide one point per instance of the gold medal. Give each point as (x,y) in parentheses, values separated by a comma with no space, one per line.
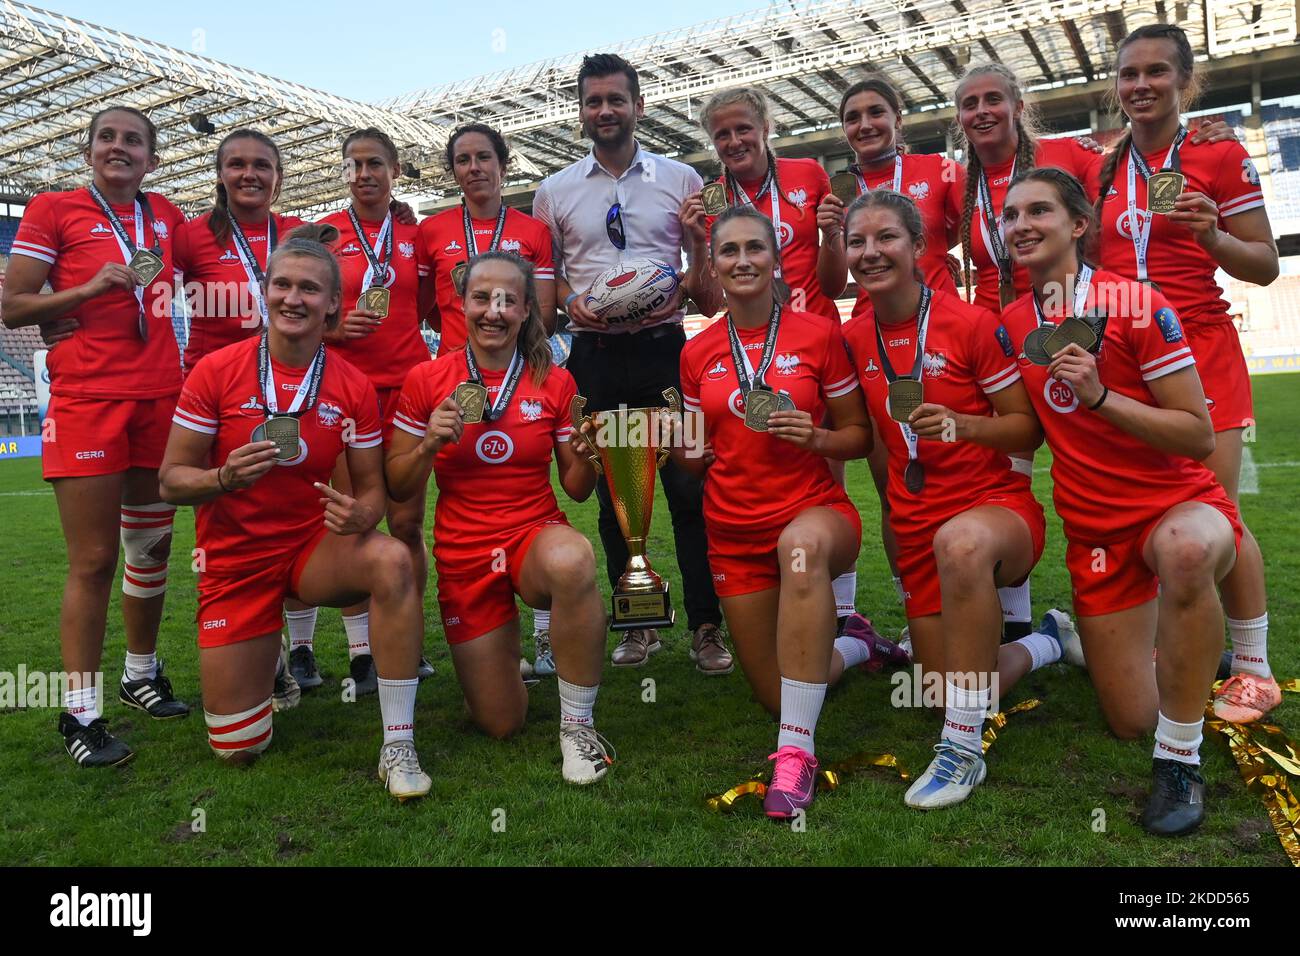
(1035,347)
(714,196)
(458,277)
(845,187)
(760,403)
(284,431)
(1006,292)
(1072,331)
(146,266)
(1163,190)
(472,399)
(375,299)
(905,396)
(784,403)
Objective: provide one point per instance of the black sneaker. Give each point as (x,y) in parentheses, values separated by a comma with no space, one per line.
(302,664)
(1177,802)
(425,669)
(153,695)
(364,676)
(92,745)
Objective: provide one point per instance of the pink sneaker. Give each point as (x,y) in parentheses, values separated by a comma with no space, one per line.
(884,652)
(1245,698)
(792,785)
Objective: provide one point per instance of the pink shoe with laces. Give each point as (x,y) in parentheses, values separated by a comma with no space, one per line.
(793,783)
(1245,698)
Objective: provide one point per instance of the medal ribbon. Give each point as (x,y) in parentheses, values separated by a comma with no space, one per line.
(745,374)
(993,239)
(1140,230)
(142,212)
(922,327)
(307,388)
(254,271)
(471,244)
(1082,285)
(863,188)
(513,373)
(378,266)
(770,184)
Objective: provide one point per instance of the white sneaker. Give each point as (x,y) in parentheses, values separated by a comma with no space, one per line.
(286,693)
(543,662)
(525,668)
(952,776)
(584,752)
(1067,636)
(399,770)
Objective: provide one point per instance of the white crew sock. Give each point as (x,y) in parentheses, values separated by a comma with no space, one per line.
(898,587)
(801,705)
(302,627)
(1016,604)
(141,666)
(852,651)
(83,704)
(1250,646)
(576,703)
(1043,649)
(397,708)
(845,588)
(1175,741)
(357,629)
(541,621)
(963,715)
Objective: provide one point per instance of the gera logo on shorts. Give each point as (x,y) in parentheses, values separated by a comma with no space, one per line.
(213,625)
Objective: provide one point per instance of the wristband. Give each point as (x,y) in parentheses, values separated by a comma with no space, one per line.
(1097,404)
(568,300)
(222,483)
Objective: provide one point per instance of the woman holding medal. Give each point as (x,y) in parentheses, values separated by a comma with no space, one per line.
(106,251)
(486,421)
(1149,531)
(942,386)
(780,527)
(257,472)
(1177,212)
(385,278)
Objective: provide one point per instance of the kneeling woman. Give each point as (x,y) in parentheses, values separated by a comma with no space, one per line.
(1149,530)
(254,439)
(780,528)
(948,401)
(486,421)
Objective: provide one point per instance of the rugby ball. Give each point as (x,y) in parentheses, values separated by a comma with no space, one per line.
(631,290)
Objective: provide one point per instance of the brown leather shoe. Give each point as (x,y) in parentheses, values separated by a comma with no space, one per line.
(635,648)
(710,653)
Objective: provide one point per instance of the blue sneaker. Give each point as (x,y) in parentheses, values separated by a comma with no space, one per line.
(952,776)
(1058,626)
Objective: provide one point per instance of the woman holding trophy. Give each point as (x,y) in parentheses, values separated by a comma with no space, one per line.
(486,421)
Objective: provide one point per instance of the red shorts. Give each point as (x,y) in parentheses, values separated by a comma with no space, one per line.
(86,437)
(478,595)
(239,606)
(388,398)
(920,572)
(1114,576)
(746,563)
(1222,367)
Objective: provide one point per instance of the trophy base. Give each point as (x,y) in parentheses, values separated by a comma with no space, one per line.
(636,610)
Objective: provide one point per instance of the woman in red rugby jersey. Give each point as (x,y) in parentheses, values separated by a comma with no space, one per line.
(1212,218)
(487,420)
(256,434)
(106,251)
(945,394)
(1150,532)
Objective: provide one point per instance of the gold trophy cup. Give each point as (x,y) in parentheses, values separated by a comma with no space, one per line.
(628,449)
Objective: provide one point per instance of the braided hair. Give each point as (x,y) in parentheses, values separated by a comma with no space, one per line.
(219,217)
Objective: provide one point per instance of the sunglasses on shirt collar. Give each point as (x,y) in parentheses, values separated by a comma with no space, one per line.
(614,226)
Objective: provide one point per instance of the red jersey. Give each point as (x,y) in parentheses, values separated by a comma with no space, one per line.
(968,357)
(105,358)
(222,309)
(1183,270)
(759,481)
(442,246)
(804,184)
(933,182)
(281,511)
(1109,484)
(1083,164)
(496,480)
(392,349)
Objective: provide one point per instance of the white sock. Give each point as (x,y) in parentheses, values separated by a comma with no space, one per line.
(801,705)
(541,621)
(1175,741)
(576,703)
(846,593)
(83,704)
(1016,603)
(1043,649)
(302,627)
(898,587)
(963,715)
(141,666)
(1250,646)
(397,708)
(852,651)
(357,629)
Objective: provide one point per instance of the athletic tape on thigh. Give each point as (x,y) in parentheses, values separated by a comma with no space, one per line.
(147,544)
(245,733)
